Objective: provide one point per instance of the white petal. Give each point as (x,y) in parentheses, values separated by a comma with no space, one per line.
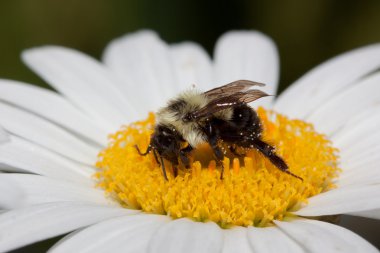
(363,158)
(361,174)
(316,236)
(184,235)
(356,164)
(343,200)
(236,240)
(247,55)
(142,60)
(271,239)
(356,126)
(51,106)
(84,81)
(364,152)
(20,227)
(19,155)
(46,134)
(365,177)
(358,142)
(4,137)
(358,135)
(192,65)
(333,114)
(29,190)
(327,80)
(122,234)
(373,214)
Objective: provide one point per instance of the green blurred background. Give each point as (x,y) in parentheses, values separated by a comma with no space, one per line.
(306,32)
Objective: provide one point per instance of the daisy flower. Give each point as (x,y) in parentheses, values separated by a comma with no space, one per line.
(72,165)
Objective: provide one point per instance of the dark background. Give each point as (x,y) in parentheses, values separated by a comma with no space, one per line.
(306,32)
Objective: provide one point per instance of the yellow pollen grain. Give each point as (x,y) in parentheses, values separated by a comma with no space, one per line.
(252,192)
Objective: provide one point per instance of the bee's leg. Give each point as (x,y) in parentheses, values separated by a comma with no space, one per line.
(174,162)
(156,158)
(185,159)
(222,171)
(175,171)
(146,152)
(233,151)
(183,155)
(269,151)
(219,159)
(213,137)
(163,168)
(219,156)
(160,164)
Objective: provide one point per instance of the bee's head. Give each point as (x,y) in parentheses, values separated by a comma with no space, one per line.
(165,139)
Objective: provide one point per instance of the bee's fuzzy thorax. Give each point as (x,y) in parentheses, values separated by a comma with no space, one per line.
(186,102)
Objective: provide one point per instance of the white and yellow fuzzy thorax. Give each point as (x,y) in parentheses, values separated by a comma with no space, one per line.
(184,103)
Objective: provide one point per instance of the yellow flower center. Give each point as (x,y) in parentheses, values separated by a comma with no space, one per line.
(253,192)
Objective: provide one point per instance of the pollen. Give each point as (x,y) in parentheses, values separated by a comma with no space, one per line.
(253,191)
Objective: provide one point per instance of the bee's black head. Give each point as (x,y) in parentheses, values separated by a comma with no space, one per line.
(166,140)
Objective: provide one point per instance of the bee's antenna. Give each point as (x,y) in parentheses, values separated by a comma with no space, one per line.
(146,152)
(161,164)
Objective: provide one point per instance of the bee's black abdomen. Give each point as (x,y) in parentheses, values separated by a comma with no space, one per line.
(243,127)
(245,118)
(245,130)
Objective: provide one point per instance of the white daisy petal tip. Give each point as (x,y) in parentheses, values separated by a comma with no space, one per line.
(247,55)
(243,36)
(192,64)
(142,58)
(4,136)
(33,54)
(141,36)
(327,79)
(77,75)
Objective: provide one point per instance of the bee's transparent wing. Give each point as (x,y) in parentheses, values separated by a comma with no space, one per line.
(226,102)
(231,88)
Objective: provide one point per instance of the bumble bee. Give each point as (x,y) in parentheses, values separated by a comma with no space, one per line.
(220,114)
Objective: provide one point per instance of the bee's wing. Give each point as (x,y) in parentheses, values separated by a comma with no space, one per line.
(231,88)
(226,102)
